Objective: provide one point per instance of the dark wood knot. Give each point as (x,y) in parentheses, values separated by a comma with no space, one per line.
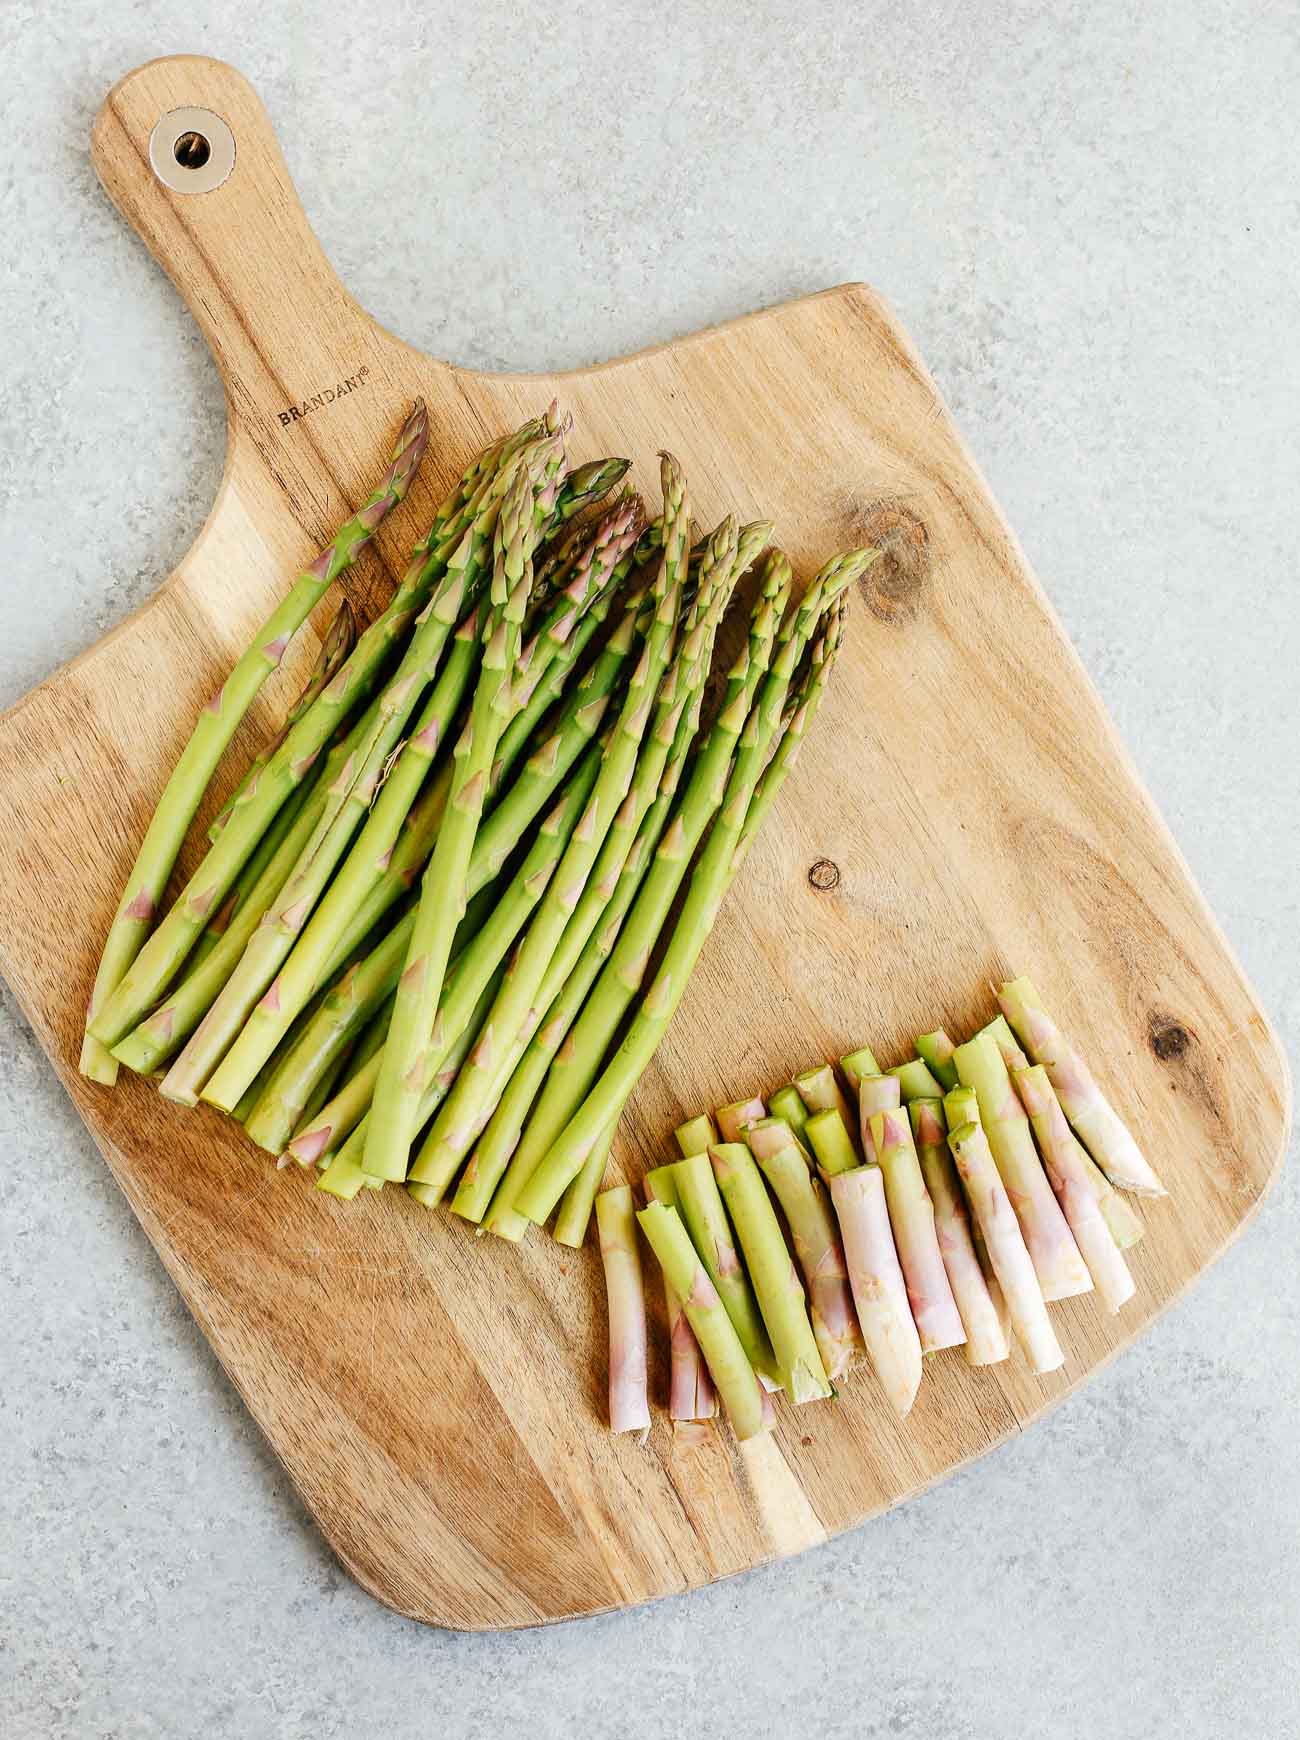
(824,875)
(1169,1038)
(893,586)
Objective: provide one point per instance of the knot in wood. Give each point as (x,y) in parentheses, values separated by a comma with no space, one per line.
(824,875)
(892,587)
(1169,1038)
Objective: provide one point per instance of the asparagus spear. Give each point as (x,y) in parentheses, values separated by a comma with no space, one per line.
(612,962)
(981,1313)
(817,1243)
(1090,1113)
(469,1104)
(161,957)
(936,1049)
(911,1214)
(629,1404)
(1067,1171)
(877,1093)
(708,886)
(1011,1260)
(1061,1271)
(893,1345)
(576,1066)
(735,1119)
(463,982)
(915,1081)
(312,950)
(726,1359)
(337,645)
(776,1283)
(404,1070)
(999,1031)
(696,1136)
(691,1395)
(787,1104)
(216,726)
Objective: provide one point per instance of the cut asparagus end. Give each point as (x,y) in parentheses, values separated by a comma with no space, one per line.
(735,1119)
(936,1049)
(629,1401)
(916,1081)
(857,1064)
(696,1136)
(830,1142)
(787,1103)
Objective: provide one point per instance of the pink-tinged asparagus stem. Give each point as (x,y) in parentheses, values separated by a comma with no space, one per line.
(1006,1247)
(728,1364)
(696,1136)
(1061,1271)
(1093,1118)
(691,1395)
(911,1214)
(821,1092)
(986,1336)
(893,1345)
(1005,1040)
(629,1403)
(817,1244)
(1066,1165)
(735,1119)
(876,1093)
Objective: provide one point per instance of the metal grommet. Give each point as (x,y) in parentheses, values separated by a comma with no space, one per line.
(192,150)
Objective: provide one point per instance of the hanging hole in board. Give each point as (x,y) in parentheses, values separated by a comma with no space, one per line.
(191,150)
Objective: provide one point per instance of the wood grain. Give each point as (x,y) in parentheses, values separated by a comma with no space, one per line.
(964,803)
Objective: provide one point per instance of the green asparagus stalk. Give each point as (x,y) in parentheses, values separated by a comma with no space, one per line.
(1061,1271)
(469,1104)
(341,1173)
(216,726)
(1091,1115)
(911,1214)
(337,646)
(787,1104)
(462,983)
(701,1208)
(162,1034)
(574,1217)
(629,1400)
(936,1049)
(981,1312)
(585,954)
(915,1081)
(540,779)
(999,1031)
(817,1244)
(686,1274)
(734,1120)
(776,1283)
(405,1067)
(162,956)
(576,1067)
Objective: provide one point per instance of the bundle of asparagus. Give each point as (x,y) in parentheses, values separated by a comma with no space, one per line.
(969,1190)
(416,947)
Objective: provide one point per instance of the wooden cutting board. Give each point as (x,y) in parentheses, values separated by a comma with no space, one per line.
(963,810)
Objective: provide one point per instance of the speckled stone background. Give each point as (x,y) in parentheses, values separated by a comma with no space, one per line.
(1088,216)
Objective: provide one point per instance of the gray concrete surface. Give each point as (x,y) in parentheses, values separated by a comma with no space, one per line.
(1088,216)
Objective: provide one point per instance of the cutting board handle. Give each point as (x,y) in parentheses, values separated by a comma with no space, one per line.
(186,150)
